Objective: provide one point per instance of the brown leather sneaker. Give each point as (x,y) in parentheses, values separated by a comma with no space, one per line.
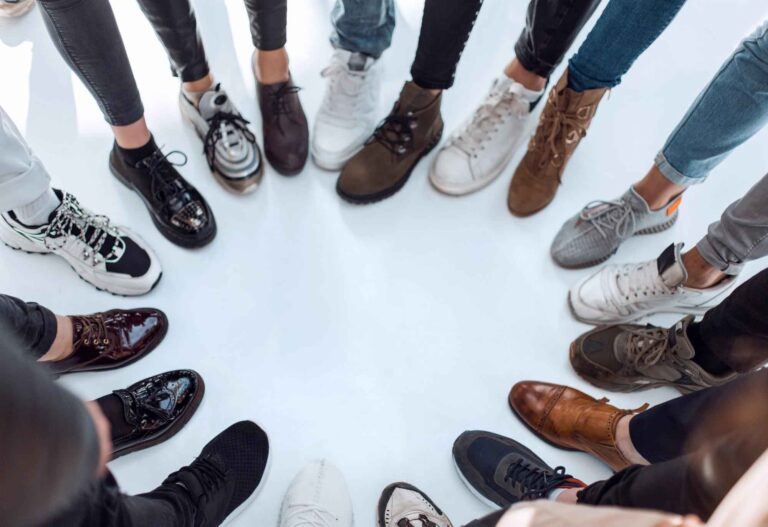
(383,166)
(571,419)
(284,124)
(562,125)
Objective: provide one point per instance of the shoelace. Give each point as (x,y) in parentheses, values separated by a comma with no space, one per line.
(165,184)
(72,220)
(423,520)
(535,482)
(144,401)
(206,473)
(647,347)
(279,104)
(230,128)
(309,515)
(636,281)
(93,331)
(556,129)
(606,215)
(343,98)
(486,119)
(395,131)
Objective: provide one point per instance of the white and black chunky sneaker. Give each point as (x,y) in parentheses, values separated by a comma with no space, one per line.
(109,257)
(229,144)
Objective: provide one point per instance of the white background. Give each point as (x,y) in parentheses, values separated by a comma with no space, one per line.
(370,335)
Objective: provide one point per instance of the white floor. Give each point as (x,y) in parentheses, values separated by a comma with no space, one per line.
(371,335)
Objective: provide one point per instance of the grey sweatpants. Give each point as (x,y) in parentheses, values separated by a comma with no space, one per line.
(23,177)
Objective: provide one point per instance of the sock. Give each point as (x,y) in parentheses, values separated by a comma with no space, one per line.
(704,357)
(135,155)
(531,96)
(38,212)
(112,406)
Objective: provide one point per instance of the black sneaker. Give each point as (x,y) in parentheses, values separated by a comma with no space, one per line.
(178,210)
(502,472)
(225,475)
(153,410)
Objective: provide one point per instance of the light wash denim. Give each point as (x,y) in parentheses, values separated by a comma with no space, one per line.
(623,32)
(363,26)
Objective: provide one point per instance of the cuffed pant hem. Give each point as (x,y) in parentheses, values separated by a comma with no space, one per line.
(531,62)
(673,175)
(346,45)
(431,84)
(48,333)
(24,188)
(270,44)
(580,82)
(710,255)
(124,118)
(192,73)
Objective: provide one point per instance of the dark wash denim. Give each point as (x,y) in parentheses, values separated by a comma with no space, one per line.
(623,32)
(86,34)
(551,27)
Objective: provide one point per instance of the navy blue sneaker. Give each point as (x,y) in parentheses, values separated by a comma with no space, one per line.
(502,472)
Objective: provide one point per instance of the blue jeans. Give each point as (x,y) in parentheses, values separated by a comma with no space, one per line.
(363,26)
(624,30)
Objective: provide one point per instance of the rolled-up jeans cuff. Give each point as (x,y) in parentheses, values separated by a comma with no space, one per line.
(711,256)
(530,61)
(24,188)
(673,175)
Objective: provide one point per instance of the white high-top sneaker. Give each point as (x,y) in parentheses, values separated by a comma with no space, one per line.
(618,294)
(317,497)
(347,116)
(479,150)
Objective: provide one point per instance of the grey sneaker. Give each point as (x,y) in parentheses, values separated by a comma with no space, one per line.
(228,143)
(628,357)
(595,233)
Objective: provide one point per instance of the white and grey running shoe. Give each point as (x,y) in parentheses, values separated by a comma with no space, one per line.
(229,144)
(109,257)
(317,497)
(595,234)
(482,147)
(15,8)
(618,294)
(403,505)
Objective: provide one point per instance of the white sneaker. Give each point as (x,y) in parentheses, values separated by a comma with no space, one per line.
(618,294)
(482,147)
(109,257)
(317,497)
(402,504)
(347,117)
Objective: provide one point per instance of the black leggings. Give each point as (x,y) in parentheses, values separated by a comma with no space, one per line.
(551,27)
(86,34)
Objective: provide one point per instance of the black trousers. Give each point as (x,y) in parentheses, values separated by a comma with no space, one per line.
(30,327)
(550,29)
(86,34)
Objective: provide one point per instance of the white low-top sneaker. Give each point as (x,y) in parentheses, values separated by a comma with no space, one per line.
(482,147)
(618,294)
(317,497)
(109,257)
(403,505)
(347,116)
(229,144)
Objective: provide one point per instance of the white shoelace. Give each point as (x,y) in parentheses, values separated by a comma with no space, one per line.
(638,283)
(344,98)
(498,105)
(309,515)
(606,215)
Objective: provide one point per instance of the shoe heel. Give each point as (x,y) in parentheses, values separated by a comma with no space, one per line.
(17,242)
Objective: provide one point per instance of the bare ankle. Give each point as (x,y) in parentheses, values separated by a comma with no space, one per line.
(518,73)
(624,442)
(701,275)
(271,67)
(134,135)
(194,89)
(62,346)
(568,496)
(656,190)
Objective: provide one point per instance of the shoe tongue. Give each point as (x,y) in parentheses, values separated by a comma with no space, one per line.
(413,97)
(359,62)
(678,339)
(213,102)
(190,483)
(670,266)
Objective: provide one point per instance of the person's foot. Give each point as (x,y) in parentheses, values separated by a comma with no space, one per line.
(318,496)
(107,256)
(562,125)
(403,505)
(178,210)
(15,8)
(348,113)
(501,472)
(151,411)
(595,234)
(618,294)
(481,148)
(110,340)
(284,125)
(229,144)
(627,358)
(571,419)
(224,478)
(408,133)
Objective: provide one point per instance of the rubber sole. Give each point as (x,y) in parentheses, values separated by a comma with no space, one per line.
(174,429)
(672,310)
(386,193)
(167,232)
